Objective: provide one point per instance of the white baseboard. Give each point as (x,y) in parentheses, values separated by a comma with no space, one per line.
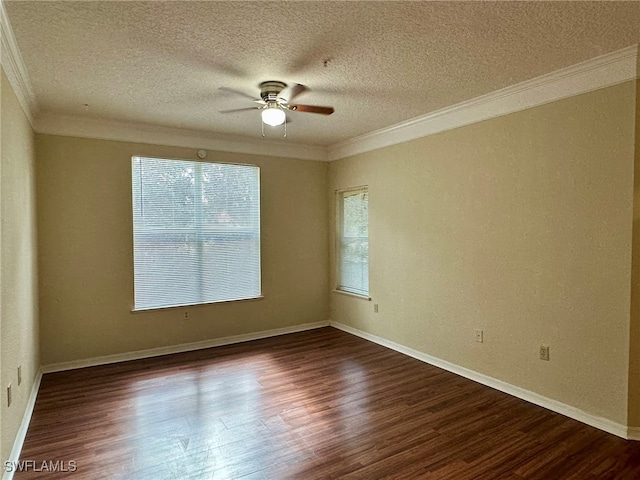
(14,457)
(183,347)
(629,433)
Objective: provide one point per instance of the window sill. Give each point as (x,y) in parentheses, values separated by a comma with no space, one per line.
(150,309)
(349,294)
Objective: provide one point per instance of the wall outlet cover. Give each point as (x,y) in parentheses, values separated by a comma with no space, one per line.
(479,336)
(544,353)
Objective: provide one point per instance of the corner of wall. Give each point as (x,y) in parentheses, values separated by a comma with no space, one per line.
(1,300)
(19,327)
(633,405)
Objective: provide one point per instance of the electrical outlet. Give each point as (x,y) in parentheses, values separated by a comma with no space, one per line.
(19,374)
(9,395)
(479,336)
(186,314)
(544,353)
(375,308)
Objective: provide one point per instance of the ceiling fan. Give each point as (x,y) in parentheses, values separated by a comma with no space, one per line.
(275,99)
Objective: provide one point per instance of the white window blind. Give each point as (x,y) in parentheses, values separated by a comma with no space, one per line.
(196,232)
(352,247)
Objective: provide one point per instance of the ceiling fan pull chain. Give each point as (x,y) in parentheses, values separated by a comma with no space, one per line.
(285,127)
(262,124)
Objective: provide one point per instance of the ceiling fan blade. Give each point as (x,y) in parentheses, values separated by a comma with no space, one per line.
(240,109)
(312,109)
(292,91)
(238,92)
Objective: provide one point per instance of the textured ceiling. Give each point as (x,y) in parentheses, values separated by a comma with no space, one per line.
(162,62)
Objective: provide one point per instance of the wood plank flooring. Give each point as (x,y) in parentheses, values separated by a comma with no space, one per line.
(320,404)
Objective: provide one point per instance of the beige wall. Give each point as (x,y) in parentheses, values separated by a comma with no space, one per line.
(520,226)
(86,255)
(18,284)
(634,336)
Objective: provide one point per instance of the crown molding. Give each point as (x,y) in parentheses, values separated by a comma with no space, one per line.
(91,127)
(600,72)
(13,65)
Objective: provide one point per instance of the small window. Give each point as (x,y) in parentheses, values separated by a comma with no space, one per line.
(196,232)
(352,241)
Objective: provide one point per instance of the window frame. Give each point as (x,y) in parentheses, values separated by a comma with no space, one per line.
(184,230)
(339,197)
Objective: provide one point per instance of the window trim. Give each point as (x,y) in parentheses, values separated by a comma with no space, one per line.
(189,305)
(339,196)
(351,294)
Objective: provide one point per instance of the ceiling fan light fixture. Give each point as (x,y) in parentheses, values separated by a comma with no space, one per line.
(273,115)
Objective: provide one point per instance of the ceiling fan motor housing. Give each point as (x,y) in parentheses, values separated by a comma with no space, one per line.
(270,90)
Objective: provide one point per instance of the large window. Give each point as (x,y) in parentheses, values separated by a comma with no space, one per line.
(196,232)
(352,241)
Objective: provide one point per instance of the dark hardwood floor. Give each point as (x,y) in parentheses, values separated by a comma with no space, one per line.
(313,405)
